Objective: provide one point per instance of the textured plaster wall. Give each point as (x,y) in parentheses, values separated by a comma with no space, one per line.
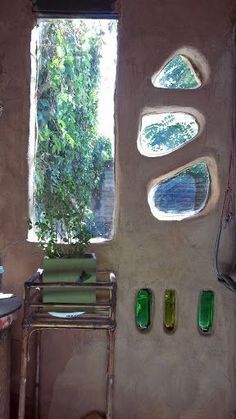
(158,376)
(4,374)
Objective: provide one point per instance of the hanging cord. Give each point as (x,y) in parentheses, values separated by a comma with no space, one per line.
(228,213)
(226,217)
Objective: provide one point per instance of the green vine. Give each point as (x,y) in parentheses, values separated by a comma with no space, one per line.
(71,157)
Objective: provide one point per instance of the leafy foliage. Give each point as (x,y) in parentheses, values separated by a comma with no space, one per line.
(71,157)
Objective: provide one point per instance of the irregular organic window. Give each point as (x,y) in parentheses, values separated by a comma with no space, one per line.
(182,195)
(166,132)
(178,73)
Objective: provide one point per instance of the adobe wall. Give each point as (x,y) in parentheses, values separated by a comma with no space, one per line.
(157,376)
(4,374)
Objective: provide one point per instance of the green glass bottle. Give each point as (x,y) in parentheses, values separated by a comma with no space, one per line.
(170,310)
(143,304)
(206,311)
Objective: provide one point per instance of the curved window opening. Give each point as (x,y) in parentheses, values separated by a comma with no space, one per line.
(163,133)
(182,195)
(178,73)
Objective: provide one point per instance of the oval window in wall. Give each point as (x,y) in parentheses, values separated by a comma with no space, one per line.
(182,195)
(178,73)
(163,133)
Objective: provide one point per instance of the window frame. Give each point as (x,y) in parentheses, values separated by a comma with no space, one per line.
(92,9)
(32,145)
(213,195)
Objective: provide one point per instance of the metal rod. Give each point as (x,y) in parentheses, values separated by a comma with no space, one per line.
(37,375)
(34,296)
(111,354)
(110,373)
(41,316)
(26,302)
(62,325)
(69,305)
(100,285)
(37,276)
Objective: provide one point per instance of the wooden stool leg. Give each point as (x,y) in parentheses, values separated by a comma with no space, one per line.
(110,372)
(23,374)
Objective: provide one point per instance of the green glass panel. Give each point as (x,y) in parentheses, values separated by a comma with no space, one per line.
(162,133)
(178,73)
(143,305)
(170,310)
(206,311)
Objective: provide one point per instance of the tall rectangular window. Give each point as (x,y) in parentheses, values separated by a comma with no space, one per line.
(73,143)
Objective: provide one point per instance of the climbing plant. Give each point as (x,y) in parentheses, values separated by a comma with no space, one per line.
(71,157)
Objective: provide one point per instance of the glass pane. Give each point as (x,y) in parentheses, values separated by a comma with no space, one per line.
(206,311)
(182,195)
(74,165)
(170,310)
(178,73)
(165,132)
(143,305)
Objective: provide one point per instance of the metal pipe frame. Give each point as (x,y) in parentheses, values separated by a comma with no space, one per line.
(103,317)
